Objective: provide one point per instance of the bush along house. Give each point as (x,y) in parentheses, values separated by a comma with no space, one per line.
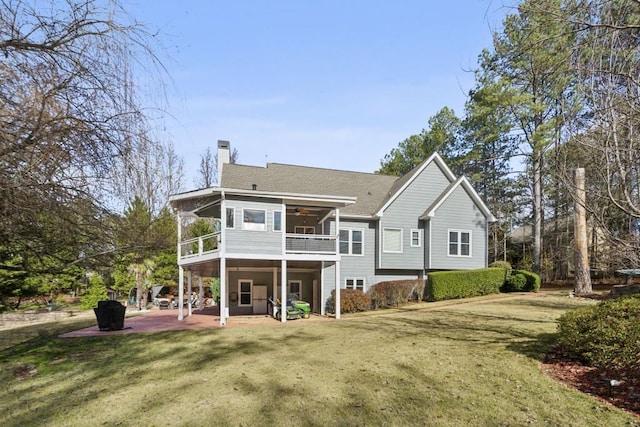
(285,231)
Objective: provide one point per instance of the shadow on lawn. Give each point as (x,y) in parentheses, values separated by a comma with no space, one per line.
(511,325)
(82,369)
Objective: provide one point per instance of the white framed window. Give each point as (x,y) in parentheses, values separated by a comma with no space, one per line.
(277,220)
(416,238)
(392,240)
(245,289)
(304,229)
(254,219)
(230,217)
(295,289)
(460,243)
(352,241)
(356,283)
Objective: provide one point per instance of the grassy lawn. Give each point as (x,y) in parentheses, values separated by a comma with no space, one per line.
(457,365)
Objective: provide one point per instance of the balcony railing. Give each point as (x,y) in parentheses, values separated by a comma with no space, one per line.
(311,243)
(200,245)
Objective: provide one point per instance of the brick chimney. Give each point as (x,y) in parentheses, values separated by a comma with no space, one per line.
(224,156)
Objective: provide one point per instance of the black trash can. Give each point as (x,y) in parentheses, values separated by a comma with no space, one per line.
(110,315)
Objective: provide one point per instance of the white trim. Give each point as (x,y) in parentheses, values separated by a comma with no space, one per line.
(320,200)
(350,241)
(470,191)
(459,243)
(302,229)
(250,281)
(435,157)
(355,283)
(254,226)
(273,223)
(420,238)
(384,240)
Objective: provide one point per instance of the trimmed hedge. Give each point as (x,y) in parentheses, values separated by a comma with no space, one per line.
(606,335)
(351,301)
(521,281)
(396,292)
(533,280)
(443,285)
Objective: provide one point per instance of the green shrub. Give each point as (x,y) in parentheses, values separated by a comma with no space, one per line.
(396,292)
(442,285)
(515,283)
(521,281)
(97,292)
(501,264)
(606,335)
(351,301)
(533,281)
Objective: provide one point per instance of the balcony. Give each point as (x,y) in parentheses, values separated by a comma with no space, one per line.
(310,244)
(199,246)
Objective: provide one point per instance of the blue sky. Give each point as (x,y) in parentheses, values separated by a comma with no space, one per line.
(332,84)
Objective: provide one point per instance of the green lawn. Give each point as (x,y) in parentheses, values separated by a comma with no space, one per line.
(458,365)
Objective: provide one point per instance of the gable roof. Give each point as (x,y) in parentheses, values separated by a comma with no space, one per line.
(369,189)
(464,182)
(373,192)
(404,181)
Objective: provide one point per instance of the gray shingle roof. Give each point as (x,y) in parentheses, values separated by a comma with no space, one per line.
(370,189)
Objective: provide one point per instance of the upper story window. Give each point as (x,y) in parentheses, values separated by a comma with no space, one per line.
(231,214)
(352,241)
(392,240)
(277,221)
(254,219)
(459,243)
(416,238)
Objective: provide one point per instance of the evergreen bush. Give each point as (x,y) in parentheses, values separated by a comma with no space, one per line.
(606,335)
(443,285)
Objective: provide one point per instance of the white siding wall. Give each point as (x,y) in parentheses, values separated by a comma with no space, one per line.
(239,241)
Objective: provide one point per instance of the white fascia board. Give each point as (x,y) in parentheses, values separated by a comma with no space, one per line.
(435,157)
(471,191)
(319,199)
(195,194)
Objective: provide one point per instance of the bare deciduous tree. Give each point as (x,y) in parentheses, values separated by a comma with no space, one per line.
(66,114)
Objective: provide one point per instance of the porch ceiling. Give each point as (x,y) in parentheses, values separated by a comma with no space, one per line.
(212,268)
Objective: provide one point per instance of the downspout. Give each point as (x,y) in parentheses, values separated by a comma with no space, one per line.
(337,299)
(223,261)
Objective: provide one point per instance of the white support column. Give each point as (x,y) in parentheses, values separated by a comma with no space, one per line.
(337,289)
(274,287)
(323,310)
(179,235)
(180,292)
(189,292)
(283,292)
(223,291)
(337,231)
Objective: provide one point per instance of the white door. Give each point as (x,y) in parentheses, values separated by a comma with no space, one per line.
(259,299)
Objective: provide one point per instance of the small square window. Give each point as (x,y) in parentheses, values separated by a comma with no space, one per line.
(231,213)
(277,221)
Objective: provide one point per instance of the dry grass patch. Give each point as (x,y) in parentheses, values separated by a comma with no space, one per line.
(458,365)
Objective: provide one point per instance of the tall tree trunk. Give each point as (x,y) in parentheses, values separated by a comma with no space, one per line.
(538,210)
(582,276)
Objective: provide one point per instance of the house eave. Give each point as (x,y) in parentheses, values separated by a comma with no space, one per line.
(288,198)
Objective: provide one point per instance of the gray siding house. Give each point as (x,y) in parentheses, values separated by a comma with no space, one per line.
(283,230)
